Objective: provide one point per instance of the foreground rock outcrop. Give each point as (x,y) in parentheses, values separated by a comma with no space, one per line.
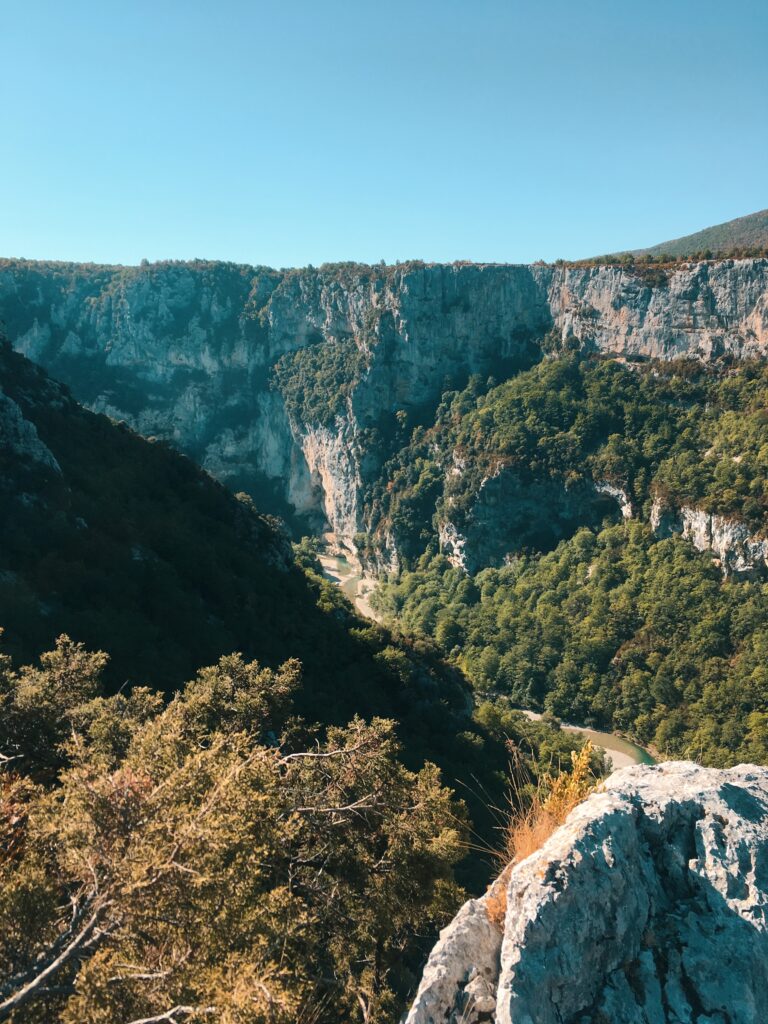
(649,906)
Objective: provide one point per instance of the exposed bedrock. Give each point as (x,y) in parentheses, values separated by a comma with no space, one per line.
(738,552)
(648,906)
(509,514)
(185,351)
(702,310)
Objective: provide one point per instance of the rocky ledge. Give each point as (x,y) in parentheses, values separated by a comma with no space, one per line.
(648,906)
(739,553)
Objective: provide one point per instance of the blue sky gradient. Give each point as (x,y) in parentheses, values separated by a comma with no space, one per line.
(287,133)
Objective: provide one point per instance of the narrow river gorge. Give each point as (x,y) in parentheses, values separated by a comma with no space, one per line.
(621,751)
(358,588)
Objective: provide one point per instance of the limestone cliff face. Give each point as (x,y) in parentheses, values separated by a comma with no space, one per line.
(19,438)
(172,350)
(185,351)
(509,514)
(649,906)
(28,467)
(702,310)
(738,552)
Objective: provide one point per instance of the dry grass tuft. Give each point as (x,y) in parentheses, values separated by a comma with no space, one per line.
(496,899)
(553,801)
(532,822)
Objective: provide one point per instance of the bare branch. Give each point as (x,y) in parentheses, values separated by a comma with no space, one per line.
(84,941)
(140,976)
(175,1015)
(364,1007)
(365,803)
(79,910)
(323,754)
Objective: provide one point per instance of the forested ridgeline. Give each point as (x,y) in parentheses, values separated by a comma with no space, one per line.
(603,622)
(682,432)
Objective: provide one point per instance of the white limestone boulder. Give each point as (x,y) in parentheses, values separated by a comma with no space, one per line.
(648,906)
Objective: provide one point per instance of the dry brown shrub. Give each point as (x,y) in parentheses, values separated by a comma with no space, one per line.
(554,799)
(532,822)
(496,899)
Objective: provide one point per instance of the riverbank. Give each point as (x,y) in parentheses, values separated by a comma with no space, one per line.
(358,588)
(621,752)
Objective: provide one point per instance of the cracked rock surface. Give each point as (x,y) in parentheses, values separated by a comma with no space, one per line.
(648,906)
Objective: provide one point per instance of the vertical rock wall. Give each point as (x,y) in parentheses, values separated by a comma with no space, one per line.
(185,351)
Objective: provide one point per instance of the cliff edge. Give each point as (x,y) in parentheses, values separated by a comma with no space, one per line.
(648,906)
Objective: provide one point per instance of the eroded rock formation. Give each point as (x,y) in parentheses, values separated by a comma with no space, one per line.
(737,551)
(19,438)
(649,906)
(186,351)
(509,514)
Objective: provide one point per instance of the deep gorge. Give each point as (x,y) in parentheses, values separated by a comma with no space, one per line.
(187,352)
(558,476)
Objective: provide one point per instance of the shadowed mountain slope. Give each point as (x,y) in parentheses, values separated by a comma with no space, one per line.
(129,547)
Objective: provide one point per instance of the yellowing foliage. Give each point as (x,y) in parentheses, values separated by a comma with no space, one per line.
(553,801)
(530,827)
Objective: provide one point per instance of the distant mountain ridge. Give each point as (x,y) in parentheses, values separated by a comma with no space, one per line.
(750,232)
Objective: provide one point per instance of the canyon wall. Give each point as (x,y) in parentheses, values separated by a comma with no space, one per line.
(186,351)
(701,309)
(509,514)
(739,553)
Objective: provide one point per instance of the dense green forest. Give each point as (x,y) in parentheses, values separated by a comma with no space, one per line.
(316,381)
(132,549)
(682,432)
(612,628)
(605,623)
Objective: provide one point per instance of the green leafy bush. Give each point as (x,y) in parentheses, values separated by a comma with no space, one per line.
(316,381)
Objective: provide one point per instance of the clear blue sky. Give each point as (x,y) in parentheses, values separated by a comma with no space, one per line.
(302,131)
